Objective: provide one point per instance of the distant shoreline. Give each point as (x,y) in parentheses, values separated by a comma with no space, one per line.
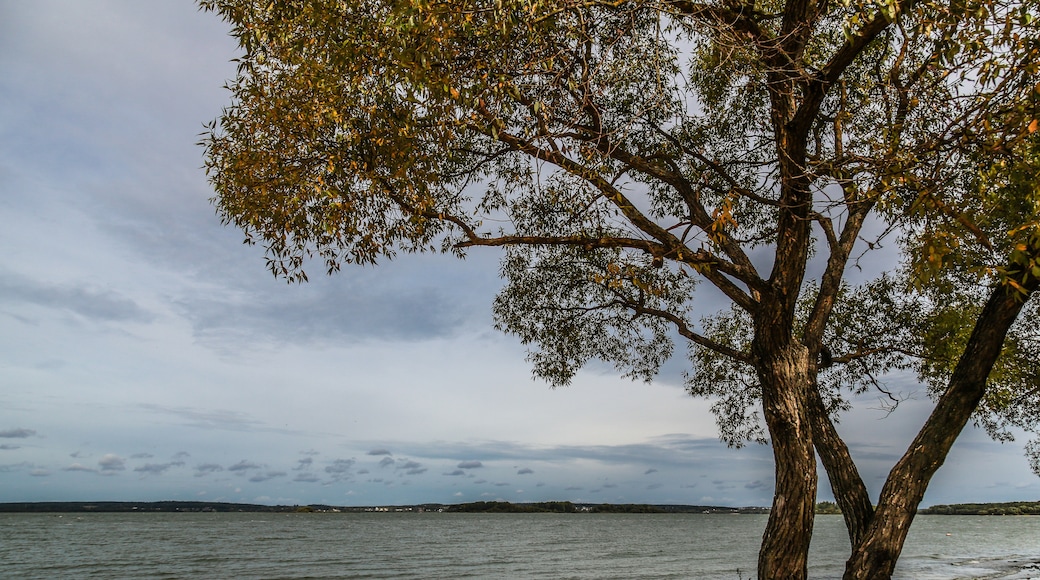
(474,507)
(1006,508)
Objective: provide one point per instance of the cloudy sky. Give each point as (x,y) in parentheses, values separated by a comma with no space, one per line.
(146,354)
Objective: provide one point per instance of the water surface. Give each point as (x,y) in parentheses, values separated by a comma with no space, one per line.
(458,545)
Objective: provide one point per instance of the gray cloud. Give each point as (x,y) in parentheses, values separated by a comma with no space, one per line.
(341,469)
(525,471)
(304,463)
(386,461)
(214,419)
(363,306)
(9,447)
(470,465)
(340,466)
(757,484)
(306,478)
(90,303)
(380,451)
(244,466)
(79,467)
(18,433)
(649,471)
(157,468)
(14,467)
(206,469)
(141,456)
(455,473)
(111,462)
(266,475)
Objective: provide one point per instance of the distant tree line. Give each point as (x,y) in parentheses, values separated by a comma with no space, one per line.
(128,506)
(827,508)
(1015,508)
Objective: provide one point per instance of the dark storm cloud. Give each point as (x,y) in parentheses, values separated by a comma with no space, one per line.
(17,433)
(91,303)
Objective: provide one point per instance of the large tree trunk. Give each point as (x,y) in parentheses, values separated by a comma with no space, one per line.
(874,558)
(785,544)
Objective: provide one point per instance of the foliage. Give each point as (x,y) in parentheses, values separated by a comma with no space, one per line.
(827,508)
(626,153)
(1016,508)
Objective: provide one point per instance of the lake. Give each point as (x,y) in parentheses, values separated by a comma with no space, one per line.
(459,545)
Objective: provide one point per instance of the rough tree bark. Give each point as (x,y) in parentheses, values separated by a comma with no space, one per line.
(875,556)
(785,544)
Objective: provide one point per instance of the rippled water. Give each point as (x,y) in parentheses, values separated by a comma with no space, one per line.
(436,545)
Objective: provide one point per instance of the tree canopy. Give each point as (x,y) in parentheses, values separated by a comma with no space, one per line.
(621,153)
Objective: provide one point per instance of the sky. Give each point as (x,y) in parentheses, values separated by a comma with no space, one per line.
(146,353)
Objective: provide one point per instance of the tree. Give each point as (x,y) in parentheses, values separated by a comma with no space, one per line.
(621,152)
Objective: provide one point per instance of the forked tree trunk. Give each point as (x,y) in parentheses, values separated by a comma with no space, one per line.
(850,493)
(874,558)
(785,544)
